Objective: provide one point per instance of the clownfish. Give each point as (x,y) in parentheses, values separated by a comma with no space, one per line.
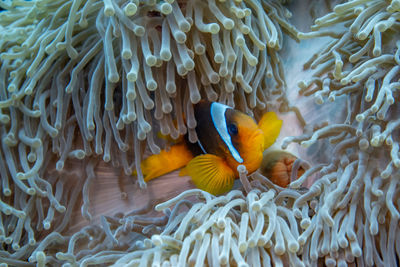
(226,139)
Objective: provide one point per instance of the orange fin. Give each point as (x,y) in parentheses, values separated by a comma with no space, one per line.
(210,173)
(167,161)
(271,126)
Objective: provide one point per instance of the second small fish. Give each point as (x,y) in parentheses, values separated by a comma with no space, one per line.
(226,139)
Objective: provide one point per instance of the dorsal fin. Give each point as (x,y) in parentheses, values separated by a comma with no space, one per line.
(271,126)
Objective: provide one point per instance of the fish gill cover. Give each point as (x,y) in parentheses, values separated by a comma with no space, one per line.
(89,79)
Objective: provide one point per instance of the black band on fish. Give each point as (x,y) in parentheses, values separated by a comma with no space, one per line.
(218,118)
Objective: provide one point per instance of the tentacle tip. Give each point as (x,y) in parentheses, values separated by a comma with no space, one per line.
(293,247)
(46,225)
(59,165)
(130,9)
(7,192)
(21,176)
(279,249)
(61,209)
(166,8)
(109,11)
(243,247)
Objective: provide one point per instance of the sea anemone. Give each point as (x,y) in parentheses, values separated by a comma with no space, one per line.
(97,80)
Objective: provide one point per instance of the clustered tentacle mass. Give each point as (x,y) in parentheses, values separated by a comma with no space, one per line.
(358,190)
(84,79)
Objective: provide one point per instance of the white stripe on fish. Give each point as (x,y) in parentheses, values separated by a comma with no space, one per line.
(218,117)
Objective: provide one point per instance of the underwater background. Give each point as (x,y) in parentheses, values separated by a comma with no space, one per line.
(86,88)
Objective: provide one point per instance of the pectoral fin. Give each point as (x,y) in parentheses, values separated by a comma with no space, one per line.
(210,173)
(271,126)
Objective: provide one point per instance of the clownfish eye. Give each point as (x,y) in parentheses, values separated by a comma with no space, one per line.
(232,129)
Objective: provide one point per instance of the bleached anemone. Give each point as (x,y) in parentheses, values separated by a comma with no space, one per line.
(91,79)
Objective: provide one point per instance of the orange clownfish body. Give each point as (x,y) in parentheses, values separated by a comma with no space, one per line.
(226,139)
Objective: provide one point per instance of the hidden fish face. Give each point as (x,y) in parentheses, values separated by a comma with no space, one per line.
(247,138)
(240,134)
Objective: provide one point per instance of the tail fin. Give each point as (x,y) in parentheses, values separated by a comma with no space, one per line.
(271,125)
(167,161)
